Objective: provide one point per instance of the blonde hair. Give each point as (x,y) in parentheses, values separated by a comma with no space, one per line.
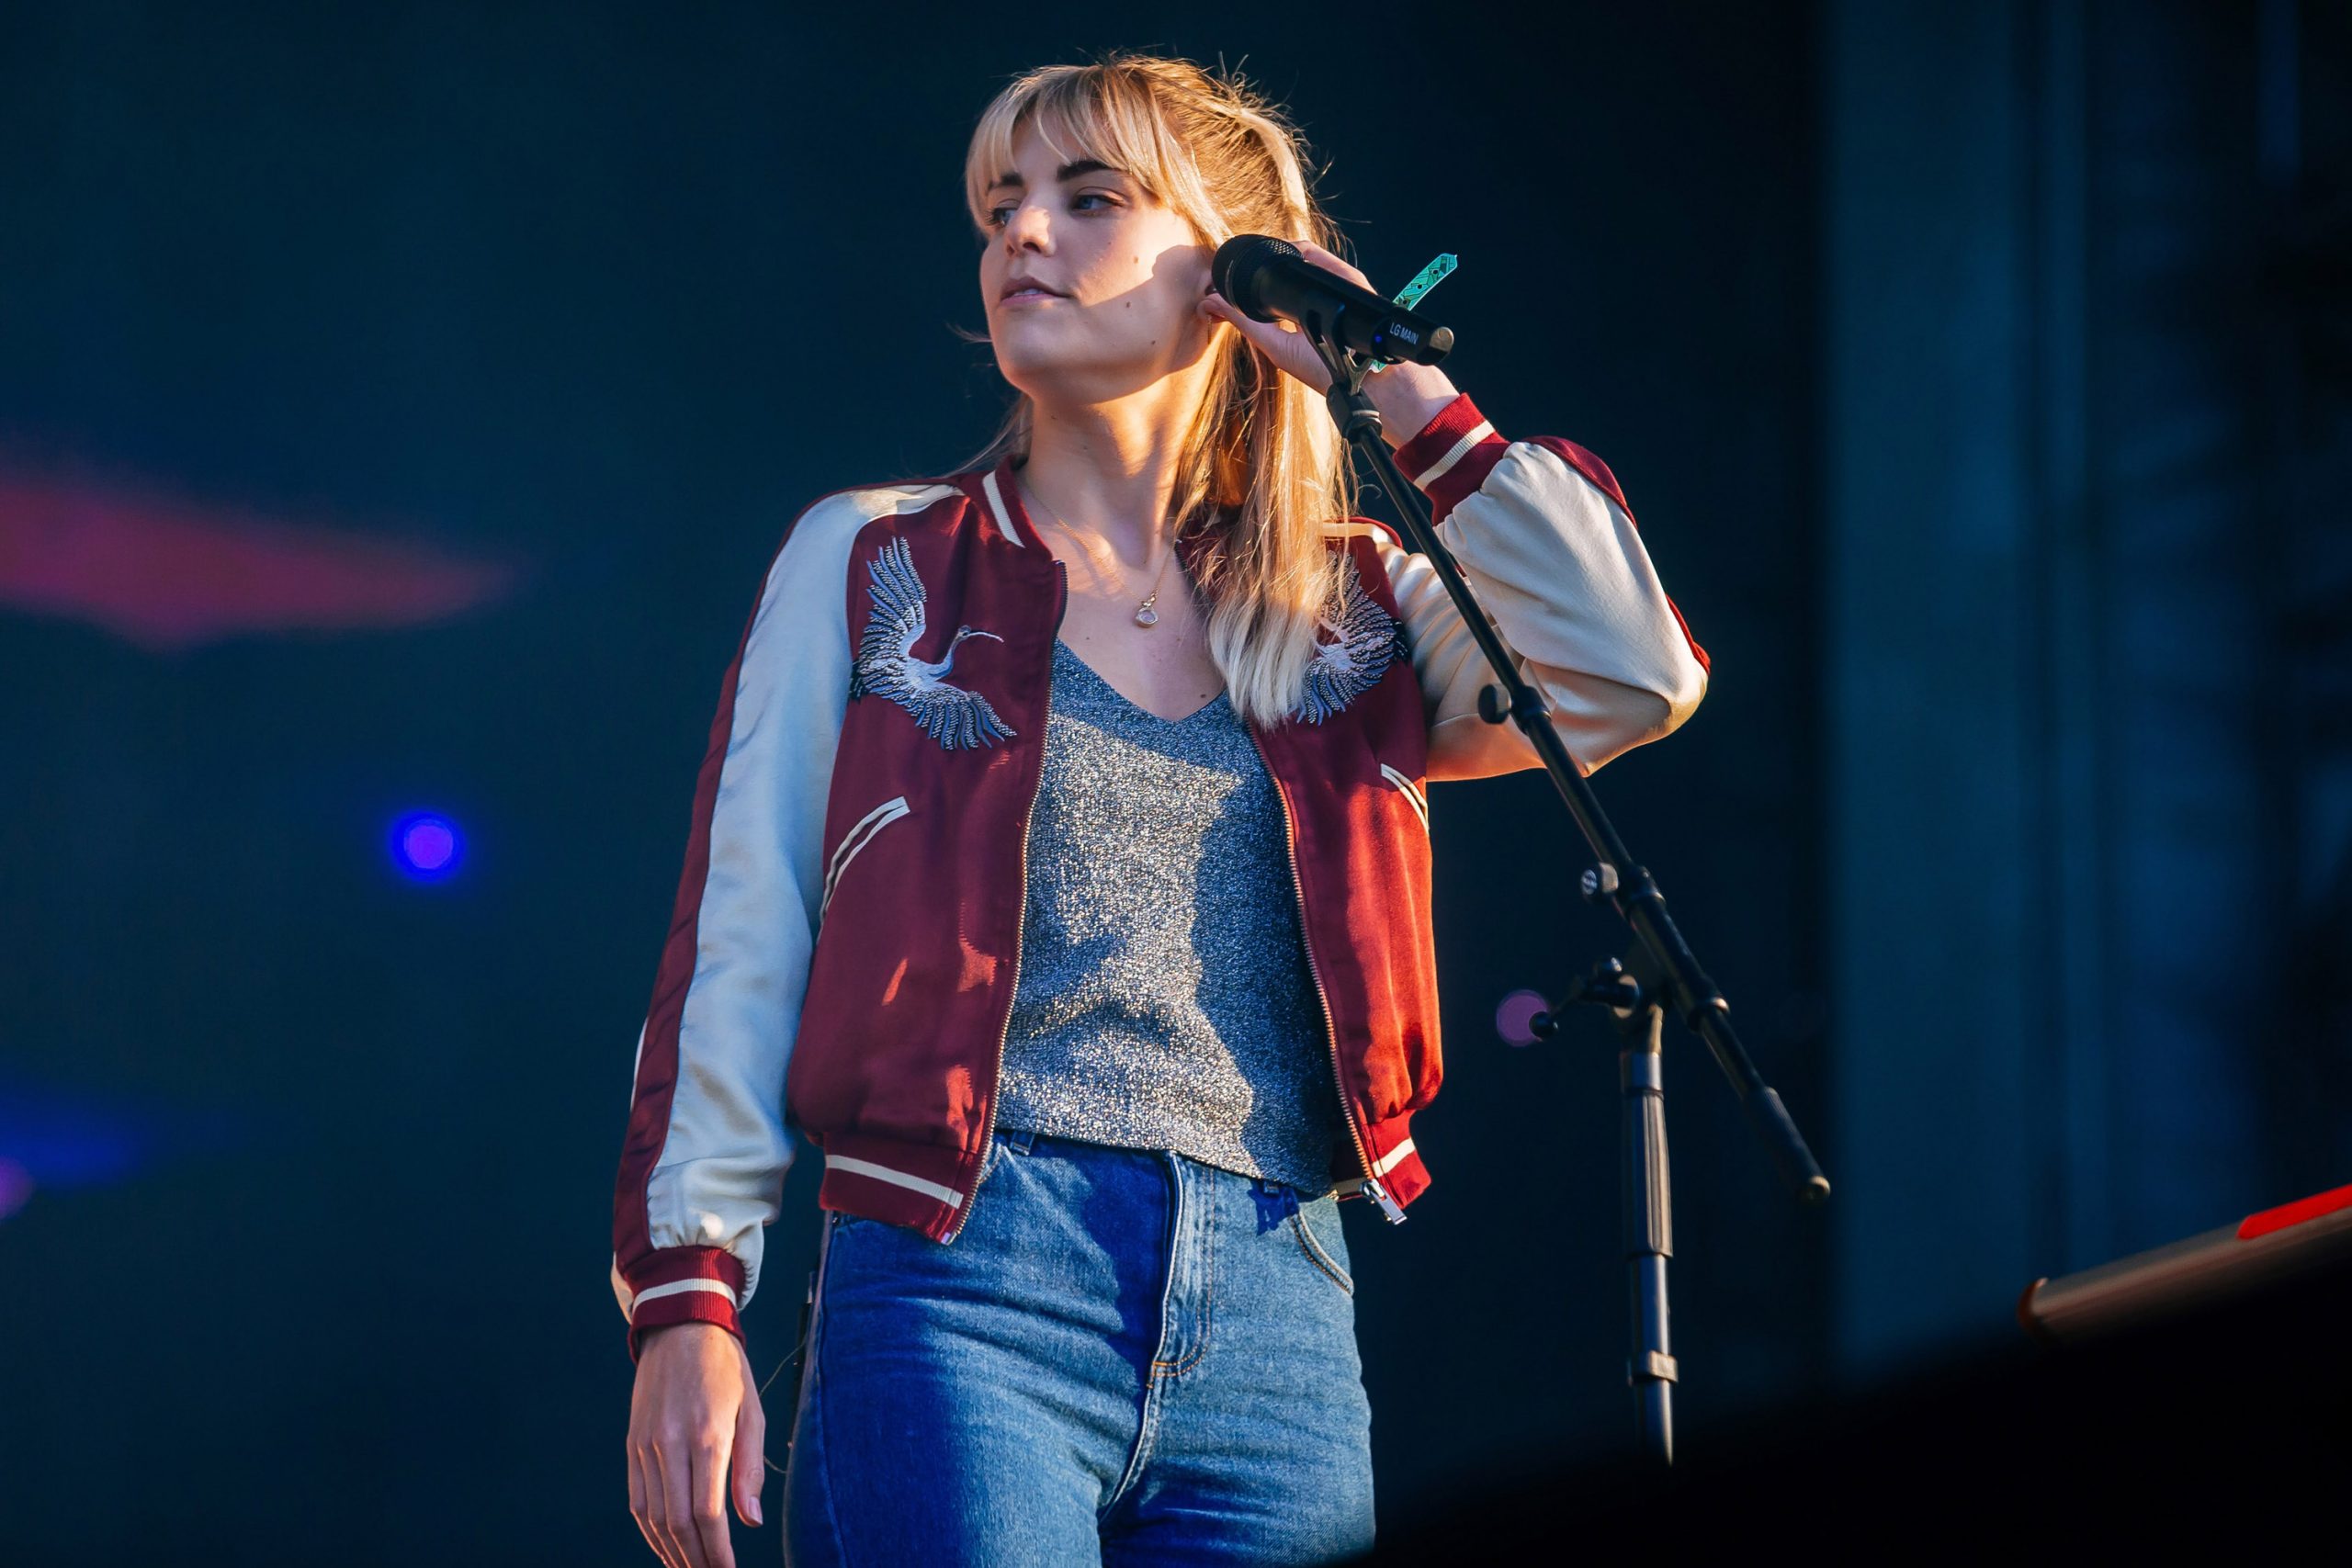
(1263,472)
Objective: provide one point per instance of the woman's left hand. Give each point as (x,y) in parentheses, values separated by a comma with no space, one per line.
(1408,396)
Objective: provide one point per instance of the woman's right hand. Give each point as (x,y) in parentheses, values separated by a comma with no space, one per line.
(696,1434)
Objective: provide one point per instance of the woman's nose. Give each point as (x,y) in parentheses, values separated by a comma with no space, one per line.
(1028,229)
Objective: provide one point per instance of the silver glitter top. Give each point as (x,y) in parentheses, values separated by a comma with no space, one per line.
(1164,1000)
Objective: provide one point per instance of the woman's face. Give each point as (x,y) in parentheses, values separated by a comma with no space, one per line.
(1091,288)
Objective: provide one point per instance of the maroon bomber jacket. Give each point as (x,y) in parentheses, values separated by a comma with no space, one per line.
(842,955)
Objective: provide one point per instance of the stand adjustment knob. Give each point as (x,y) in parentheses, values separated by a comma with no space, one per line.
(1493,705)
(1599,881)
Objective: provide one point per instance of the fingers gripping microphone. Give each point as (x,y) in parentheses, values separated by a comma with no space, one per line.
(1267,280)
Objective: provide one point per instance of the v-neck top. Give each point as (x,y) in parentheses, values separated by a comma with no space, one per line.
(1164,1000)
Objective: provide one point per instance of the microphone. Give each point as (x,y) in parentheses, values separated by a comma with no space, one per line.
(1266,280)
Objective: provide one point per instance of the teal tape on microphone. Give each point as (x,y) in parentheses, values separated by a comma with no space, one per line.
(1413,293)
(1429,277)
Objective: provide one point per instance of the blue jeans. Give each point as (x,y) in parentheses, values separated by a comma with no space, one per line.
(1126,1357)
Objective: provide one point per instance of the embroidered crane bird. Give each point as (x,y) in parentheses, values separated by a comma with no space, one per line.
(1364,641)
(886,664)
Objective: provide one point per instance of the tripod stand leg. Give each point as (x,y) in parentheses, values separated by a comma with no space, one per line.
(1649,1228)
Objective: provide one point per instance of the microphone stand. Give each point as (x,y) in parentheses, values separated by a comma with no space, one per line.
(1658,972)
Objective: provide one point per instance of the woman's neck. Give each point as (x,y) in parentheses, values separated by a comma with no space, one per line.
(1109,470)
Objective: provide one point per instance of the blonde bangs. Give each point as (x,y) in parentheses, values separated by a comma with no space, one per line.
(1110,122)
(1262,472)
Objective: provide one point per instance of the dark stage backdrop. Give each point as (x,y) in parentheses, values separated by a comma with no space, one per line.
(398,405)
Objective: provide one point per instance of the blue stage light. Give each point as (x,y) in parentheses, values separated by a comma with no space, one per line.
(427,847)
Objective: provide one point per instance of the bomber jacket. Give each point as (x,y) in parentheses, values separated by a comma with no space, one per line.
(844,946)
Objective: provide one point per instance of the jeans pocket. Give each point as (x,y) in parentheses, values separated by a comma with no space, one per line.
(1321,1238)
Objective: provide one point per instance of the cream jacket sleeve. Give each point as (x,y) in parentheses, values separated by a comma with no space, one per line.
(1548,547)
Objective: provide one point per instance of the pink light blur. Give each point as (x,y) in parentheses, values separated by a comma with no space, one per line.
(16,1187)
(1515,1016)
(169,573)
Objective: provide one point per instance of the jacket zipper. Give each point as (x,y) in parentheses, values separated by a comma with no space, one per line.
(1389,1209)
(1013,992)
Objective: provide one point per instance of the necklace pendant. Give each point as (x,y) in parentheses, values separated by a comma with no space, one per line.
(1146,615)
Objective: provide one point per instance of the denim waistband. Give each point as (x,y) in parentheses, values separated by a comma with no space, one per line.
(1021,1140)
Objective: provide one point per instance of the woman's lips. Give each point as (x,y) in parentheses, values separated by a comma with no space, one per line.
(1028,293)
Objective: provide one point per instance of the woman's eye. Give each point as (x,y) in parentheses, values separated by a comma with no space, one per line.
(1085,201)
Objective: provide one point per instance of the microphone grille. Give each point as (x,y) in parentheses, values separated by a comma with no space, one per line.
(1232,272)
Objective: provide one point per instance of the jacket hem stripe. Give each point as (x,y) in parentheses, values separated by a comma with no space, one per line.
(947,1195)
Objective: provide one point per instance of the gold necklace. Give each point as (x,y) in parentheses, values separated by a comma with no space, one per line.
(1145,614)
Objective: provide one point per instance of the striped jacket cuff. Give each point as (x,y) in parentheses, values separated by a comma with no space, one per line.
(683,1284)
(1452,456)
